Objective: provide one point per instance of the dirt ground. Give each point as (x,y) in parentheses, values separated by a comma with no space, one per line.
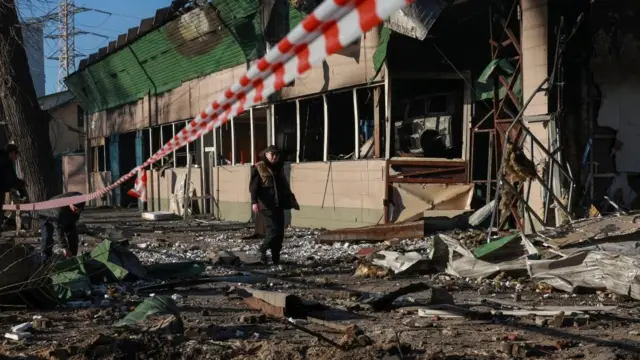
(221,327)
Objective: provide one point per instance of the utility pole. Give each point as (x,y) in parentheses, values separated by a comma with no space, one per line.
(66,35)
(66,41)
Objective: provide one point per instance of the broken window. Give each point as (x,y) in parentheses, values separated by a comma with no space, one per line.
(156,140)
(242,138)
(180,154)
(312,129)
(366,122)
(286,130)
(428,118)
(341,119)
(224,144)
(167,134)
(259,131)
(101,159)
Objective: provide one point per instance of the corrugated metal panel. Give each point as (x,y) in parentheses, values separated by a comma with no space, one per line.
(219,36)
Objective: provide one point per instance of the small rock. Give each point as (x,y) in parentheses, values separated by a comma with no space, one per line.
(634,333)
(513,337)
(41,323)
(541,321)
(506,347)
(484,290)
(558,319)
(449,332)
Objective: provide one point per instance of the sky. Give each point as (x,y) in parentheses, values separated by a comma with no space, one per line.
(125,14)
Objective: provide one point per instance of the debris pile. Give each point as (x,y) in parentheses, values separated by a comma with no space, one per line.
(363,293)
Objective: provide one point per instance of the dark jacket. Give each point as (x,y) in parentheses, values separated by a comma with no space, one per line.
(269,185)
(8,178)
(62,217)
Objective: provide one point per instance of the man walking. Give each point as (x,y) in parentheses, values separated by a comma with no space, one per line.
(269,186)
(64,221)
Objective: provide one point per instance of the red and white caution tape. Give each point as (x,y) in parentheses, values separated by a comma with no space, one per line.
(139,190)
(333,25)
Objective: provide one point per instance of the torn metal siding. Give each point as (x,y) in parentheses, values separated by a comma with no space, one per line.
(416,19)
(411,200)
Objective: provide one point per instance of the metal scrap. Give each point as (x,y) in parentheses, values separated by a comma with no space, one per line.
(590,269)
(590,231)
(277,304)
(376,233)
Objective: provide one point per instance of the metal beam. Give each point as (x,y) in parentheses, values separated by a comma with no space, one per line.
(387,116)
(186,123)
(377,138)
(273,125)
(233,141)
(173,134)
(253,140)
(298,140)
(356,119)
(150,180)
(161,143)
(215,146)
(325,151)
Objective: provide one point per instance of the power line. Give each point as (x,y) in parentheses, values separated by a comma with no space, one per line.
(66,34)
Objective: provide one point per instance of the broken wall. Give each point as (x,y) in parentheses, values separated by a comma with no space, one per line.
(74,177)
(97,182)
(63,119)
(331,195)
(164,188)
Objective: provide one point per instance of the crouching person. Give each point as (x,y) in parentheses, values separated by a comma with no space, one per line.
(63,220)
(270,186)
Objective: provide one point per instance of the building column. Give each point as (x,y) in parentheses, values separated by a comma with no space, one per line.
(535,69)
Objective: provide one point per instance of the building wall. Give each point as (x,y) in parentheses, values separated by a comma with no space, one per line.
(162,189)
(74,177)
(331,195)
(98,181)
(62,138)
(353,66)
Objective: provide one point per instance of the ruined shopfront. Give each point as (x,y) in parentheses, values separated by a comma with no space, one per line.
(408,121)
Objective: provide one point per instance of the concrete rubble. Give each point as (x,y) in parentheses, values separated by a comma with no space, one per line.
(196,288)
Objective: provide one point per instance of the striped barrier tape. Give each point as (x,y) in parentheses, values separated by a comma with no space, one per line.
(333,25)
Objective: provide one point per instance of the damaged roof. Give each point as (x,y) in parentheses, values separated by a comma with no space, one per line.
(177,45)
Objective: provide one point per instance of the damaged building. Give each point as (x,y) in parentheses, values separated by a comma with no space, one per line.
(409,121)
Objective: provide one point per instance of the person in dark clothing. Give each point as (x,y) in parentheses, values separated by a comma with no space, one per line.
(64,221)
(9,181)
(269,186)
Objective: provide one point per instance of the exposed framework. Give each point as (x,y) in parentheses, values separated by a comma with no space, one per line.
(66,41)
(515,174)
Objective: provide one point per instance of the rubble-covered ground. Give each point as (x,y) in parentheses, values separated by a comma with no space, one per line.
(218,326)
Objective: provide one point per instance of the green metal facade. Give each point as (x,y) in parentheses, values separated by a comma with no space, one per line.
(222,35)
